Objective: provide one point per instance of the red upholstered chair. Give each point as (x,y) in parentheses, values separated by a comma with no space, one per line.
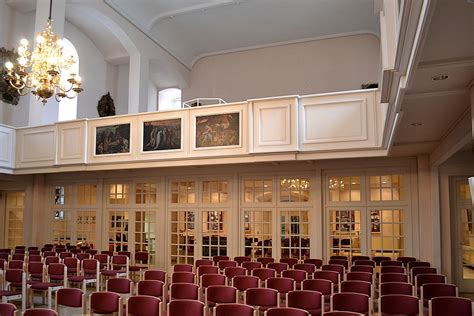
(432,290)
(442,306)
(226,263)
(298,275)
(405,260)
(71,298)
(184,291)
(16,264)
(216,259)
(92,252)
(15,287)
(290,261)
(66,254)
(393,277)
(34,272)
(105,303)
(51,259)
(107,252)
(342,314)
(49,253)
(234,310)
(143,306)
(362,262)
(34,258)
(185,307)
(422,279)
(245,282)
(342,262)
(56,278)
(361,287)
(231,272)
(212,279)
(282,285)
(359,257)
(388,288)
(379,259)
(413,264)
(40,312)
(263,274)
(151,288)
(18,256)
(119,267)
(310,301)
(142,261)
(250,265)
(206,270)
(72,265)
(391,263)
(317,262)
(90,269)
(81,256)
(325,287)
(241,259)
(183,277)
(360,276)
(104,260)
(5,256)
(334,267)
(351,302)
(7,309)
(279,267)
(398,304)
(338,257)
(183,267)
(391,269)
(121,286)
(219,294)
(265,260)
(261,298)
(420,270)
(285,311)
(203,262)
(155,275)
(367,269)
(332,276)
(308,267)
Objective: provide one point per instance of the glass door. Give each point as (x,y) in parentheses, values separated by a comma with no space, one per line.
(183,233)
(214,233)
(15,204)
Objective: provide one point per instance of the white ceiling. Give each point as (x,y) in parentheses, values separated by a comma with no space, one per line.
(190,29)
(449,50)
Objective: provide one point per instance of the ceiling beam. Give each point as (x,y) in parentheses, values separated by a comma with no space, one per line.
(451,62)
(439,93)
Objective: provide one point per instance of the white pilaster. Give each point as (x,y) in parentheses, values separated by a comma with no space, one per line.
(47,114)
(138,83)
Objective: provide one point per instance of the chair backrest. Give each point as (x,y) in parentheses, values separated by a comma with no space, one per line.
(7,309)
(361,262)
(405,260)
(105,303)
(413,264)
(69,297)
(289,261)
(241,259)
(81,256)
(332,276)
(360,276)
(250,265)
(265,260)
(14,275)
(342,262)
(107,252)
(184,291)
(339,257)
(18,256)
(367,269)
(142,257)
(391,269)
(203,262)
(317,262)
(420,270)
(361,287)
(35,268)
(64,255)
(231,272)
(285,311)
(422,279)
(51,259)
(459,306)
(34,252)
(212,279)
(388,288)
(71,263)
(185,307)
(182,267)
(143,305)
(119,285)
(218,294)
(182,277)
(391,263)
(244,282)
(159,275)
(359,257)
(297,275)
(393,277)
(57,272)
(222,264)
(40,312)
(310,301)
(281,284)
(90,266)
(334,267)
(150,287)
(16,264)
(431,290)
(125,253)
(206,270)
(396,304)
(379,259)
(308,267)
(261,297)
(233,309)
(216,259)
(324,287)
(34,258)
(49,253)
(264,273)
(351,302)
(279,267)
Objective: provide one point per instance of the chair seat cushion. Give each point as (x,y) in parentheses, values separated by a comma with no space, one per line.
(44,286)
(110,272)
(9,293)
(80,278)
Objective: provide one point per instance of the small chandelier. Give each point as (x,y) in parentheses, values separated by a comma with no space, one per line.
(40,72)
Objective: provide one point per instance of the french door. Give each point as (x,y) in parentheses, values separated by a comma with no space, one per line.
(14,210)
(197,233)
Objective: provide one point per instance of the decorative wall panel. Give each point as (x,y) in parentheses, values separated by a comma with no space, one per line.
(7,147)
(36,146)
(72,138)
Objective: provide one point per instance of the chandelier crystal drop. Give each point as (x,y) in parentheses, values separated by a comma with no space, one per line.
(45,72)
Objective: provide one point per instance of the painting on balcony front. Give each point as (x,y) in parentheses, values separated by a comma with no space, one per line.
(162,135)
(218,130)
(112,139)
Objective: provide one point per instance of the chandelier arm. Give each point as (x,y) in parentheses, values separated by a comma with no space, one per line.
(50,9)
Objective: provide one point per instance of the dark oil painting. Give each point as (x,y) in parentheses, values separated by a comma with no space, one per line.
(218,130)
(112,139)
(162,135)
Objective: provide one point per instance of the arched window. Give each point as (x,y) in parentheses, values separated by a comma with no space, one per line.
(68,107)
(169,99)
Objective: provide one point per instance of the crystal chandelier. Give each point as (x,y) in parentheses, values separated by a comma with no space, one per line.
(44,71)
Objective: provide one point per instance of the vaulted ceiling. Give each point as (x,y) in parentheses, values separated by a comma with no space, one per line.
(191,29)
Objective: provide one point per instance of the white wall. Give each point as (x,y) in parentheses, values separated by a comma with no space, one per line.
(152,97)
(304,68)
(121,99)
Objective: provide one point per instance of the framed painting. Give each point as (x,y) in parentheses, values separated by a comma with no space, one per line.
(112,139)
(162,135)
(218,130)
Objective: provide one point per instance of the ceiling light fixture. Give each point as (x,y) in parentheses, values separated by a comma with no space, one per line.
(439,77)
(45,72)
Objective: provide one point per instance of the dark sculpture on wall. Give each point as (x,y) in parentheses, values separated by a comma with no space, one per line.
(8,94)
(106,106)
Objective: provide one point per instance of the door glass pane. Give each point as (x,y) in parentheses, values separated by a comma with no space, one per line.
(294,190)
(87,194)
(387,233)
(344,189)
(294,227)
(15,202)
(118,230)
(182,236)
(467,243)
(85,223)
(62,226)
(214,233)
(345,231)
(145,233)
(258,233)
